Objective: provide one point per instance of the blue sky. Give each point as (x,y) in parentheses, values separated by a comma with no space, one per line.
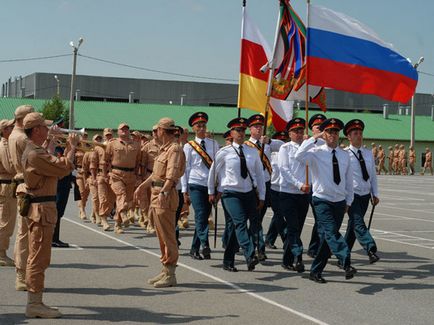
(196,37)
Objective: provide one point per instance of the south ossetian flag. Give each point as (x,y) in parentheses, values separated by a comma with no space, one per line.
(344,54)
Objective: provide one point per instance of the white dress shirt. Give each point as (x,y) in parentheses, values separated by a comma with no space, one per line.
(321,166)
(227,166)
(195,170)
(292,171)
(275,175)
(274,146)
(362,187)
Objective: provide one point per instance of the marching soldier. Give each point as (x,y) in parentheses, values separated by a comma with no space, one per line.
(81,181)
(8,201)
(167,170)
(396,166)
(98,167)
(381,160)
(40,167)
(402,160)
(123,159)
(332,195)
(199,155)
(411,159)
(375,153)
(428,161)
(90,178)
(365,189)
(239,171)
(17,143)
(390,160)
(294,195)
(314,122)
(277,222)
(150,151)
(257,141)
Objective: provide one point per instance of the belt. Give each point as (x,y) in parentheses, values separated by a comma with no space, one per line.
(19,180)
(100,170)
(157,184)
(78,166)
(40,199)
(124,169)
(5,181)
(149,170)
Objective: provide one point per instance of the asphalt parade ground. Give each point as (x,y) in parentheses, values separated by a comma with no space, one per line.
(102,278)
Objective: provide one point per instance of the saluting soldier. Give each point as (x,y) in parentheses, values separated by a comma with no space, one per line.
(239,171)
(381,160)
(83,186)
(90,175)
(314,122)
(199,155)
(167,171)
(333,194)
(123,159)
(8,201)
(149,151)
(365,189)
(411,159)
(294,195)
(277,224)
(17,143)
(106,196)
(256,124)
(40,167)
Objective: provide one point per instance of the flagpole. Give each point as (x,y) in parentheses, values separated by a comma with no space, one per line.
(306,104)
(241,51)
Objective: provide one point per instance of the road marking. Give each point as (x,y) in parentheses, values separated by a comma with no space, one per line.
(72,247)
(402,217)
(217,279)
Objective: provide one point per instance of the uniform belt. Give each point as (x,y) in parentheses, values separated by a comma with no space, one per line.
(40,199)
(124,168)
(78,166)
(5,181)
(19,180)
(157,184)
(100,170)
(149,170)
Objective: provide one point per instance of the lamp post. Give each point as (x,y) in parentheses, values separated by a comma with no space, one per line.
(182,99)
(412,127)
(71,95)
(58,85)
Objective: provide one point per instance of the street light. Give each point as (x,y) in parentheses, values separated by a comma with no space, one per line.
(71,94)
(412,123)
(58,85)
(182,99)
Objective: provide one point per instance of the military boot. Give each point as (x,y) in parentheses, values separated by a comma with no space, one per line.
(125,220)
(83,214)
(20,281)
(131,217)
(158,277)
(5,260)
(36,309)
(105,224)
(168,280)
(118,229)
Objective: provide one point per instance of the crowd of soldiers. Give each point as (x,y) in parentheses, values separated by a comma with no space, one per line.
(154,180)
(400,162)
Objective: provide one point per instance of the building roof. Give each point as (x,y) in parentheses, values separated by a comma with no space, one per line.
(99,115)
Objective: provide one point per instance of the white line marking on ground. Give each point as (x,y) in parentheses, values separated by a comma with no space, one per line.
(227,283)
(402,217)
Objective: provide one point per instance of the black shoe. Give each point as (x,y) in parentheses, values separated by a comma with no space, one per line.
(230,268)
(261,256)
(339,265)
(206,252)
(270,246)
(178,242)
(59,244)
(299,267)
(373,258)
(195,255)
(252,263)
(349,272)
(316,277)
(287,267)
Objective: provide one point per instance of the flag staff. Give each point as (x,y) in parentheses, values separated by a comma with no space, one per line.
(241,52)
(306,100)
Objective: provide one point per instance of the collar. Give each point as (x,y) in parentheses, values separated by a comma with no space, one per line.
(199,140)
(251,139)
(236,145)
(355,149)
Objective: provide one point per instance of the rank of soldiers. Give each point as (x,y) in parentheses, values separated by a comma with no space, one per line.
(152,181)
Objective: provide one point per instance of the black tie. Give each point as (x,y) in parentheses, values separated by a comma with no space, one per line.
(365,174)
(258,144)
(202,144)
(243,163)
(336,175)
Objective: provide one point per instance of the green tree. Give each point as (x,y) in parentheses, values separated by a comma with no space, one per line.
(55,109)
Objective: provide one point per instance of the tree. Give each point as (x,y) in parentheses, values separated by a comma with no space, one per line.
(55,109)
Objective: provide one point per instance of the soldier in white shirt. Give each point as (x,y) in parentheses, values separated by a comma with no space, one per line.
(294,195)
(365,189)
(239,171)
(265,146)
(199,155)
(332,180)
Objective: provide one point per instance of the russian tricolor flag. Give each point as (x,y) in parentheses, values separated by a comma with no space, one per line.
(344,54)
